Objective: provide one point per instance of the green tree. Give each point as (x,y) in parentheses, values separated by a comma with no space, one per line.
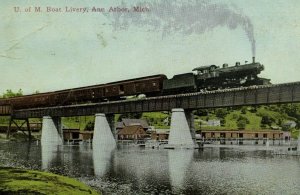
(267,120)
(242,121)
(244,110)
(9,93)
(221,113)
(241,124)
(243,118)
(135,115)
(201,112)
(89,126)
(223,122)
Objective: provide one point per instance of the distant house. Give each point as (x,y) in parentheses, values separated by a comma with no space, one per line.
(76,134)
(132,129)
(133,132)
(287,135)
(160,134)
(266,134)
(214,123)
(151,129)
(166,121)
(289,125)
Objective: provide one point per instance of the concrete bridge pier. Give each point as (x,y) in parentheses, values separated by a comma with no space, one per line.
(180,133)
(111,122)
(191,122)
(298,146)
(103,136)
(51,130)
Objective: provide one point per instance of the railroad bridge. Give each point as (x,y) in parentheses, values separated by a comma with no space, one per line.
(258,95)
(255,95)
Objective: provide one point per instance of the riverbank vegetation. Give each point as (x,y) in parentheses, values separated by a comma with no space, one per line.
(285,117)
(19,181)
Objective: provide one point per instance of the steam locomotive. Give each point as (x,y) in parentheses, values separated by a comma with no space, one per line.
(203,78)
(212,77)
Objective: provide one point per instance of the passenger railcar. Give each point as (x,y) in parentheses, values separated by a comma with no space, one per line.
(150,86)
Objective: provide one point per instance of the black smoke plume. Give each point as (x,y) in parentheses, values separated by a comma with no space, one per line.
(187,17)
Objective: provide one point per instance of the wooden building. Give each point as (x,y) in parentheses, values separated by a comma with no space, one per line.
(160,134)
(75,134)
(133,132)
(266,134)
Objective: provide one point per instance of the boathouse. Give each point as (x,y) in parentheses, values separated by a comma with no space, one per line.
(266,134)
(133,132)
(75,134)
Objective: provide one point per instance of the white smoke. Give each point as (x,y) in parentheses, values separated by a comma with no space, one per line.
(187,17)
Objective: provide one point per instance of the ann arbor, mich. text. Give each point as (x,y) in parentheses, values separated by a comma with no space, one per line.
(75,9)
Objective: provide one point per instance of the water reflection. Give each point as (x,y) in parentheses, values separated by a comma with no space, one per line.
(49,153)
(298,146)
(179,162)
(134,170)
(102,159)
(50,142)
(144,170)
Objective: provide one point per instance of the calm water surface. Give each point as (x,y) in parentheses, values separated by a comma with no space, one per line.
(134,170)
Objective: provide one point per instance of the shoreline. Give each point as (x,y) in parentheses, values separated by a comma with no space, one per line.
(16,180)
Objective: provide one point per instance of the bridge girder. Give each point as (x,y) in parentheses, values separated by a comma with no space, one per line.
(260,95)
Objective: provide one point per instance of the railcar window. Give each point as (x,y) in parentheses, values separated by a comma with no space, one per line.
(154,84)
(121,87)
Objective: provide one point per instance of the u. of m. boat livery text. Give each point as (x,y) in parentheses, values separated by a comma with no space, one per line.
(72,9)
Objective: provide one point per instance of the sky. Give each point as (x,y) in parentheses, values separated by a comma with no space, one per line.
(49,51)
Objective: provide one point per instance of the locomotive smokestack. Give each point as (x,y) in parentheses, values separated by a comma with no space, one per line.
(253,59)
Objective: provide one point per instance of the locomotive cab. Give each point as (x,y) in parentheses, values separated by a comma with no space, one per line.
(180,84)
(206,72)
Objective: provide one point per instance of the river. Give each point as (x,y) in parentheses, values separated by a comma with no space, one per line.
(135,170)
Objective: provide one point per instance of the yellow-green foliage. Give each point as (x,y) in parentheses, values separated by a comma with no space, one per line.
(156,119)
(295,133)
(231,120)
(77,122)
(18,181)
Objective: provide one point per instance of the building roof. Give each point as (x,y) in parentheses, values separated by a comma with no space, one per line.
(131,130)
(242,131)
(132,122)
(119,125)
(291,123)
(162,131)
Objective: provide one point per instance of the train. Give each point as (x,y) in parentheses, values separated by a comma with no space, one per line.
(203,78)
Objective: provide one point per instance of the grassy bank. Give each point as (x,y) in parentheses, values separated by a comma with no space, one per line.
(19,181)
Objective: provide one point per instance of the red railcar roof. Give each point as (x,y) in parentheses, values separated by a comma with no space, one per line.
(158,76)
